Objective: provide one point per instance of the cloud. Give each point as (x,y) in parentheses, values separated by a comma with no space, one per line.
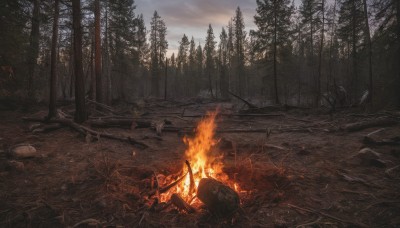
(191,17)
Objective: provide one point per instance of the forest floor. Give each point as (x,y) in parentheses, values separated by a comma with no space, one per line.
(308,171)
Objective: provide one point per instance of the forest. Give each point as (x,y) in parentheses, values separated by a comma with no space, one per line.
(292,121)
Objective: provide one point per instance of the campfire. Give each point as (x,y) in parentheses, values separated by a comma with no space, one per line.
(202,179)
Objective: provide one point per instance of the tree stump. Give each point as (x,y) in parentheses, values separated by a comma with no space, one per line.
(220,199)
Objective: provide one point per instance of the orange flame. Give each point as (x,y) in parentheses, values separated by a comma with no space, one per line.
(203,160)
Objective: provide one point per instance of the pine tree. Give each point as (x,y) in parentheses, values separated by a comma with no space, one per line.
(388,16)
(273,22)
(53,67)
(350,32)
(192,67)
(183,63)
(239,45)
(158,49)
(80,107)
(231,54)
(97,54)
(223,61)
(123,29)
(199,68)
(33,51)
(209,49)
(183,54)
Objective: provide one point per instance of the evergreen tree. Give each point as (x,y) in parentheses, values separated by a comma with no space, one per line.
(388,17)
(273,22)
(183,54)
(183,63)
(192,66)
(209,49)
(350,32)
(199,68)
(223,61)
(123,29)
(158,49)
(239,45)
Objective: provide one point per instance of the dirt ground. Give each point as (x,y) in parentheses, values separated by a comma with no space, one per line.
(308,172)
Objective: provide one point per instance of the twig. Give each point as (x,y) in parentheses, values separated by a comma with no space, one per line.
(246,102)
(326,215)
(168,187)
(310,223)
(88,221)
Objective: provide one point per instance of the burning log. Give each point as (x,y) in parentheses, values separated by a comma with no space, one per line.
(168,187)
(191,187)
(220,199)
(181,204)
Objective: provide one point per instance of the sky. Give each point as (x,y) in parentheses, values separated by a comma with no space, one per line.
(192,17)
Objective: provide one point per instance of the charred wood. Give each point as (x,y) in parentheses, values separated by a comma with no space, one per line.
(181,204)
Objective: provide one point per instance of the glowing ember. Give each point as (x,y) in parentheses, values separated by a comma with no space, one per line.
(203,160)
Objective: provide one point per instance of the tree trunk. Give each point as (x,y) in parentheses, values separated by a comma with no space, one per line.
(354,44)
(317,98)
(33,50)
(398,50)
(275,60)
(166,79)
(53,67)
(369,44)
(80,112)
(107,62)
(97,54)
(210,83)
(331,47)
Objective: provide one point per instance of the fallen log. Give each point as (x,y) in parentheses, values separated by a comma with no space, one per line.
(124,123)
(220,199)
(86,130)
(358,126)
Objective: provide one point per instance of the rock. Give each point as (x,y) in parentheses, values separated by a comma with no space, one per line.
(24,151)
(220,199)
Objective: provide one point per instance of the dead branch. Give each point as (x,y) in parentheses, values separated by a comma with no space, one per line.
(382,122)
(103,106)
(246,102)
(124,123)
(168,187)
(181,204)
(47,128)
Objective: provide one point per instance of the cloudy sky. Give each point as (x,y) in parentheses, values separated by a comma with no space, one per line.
(191,17)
